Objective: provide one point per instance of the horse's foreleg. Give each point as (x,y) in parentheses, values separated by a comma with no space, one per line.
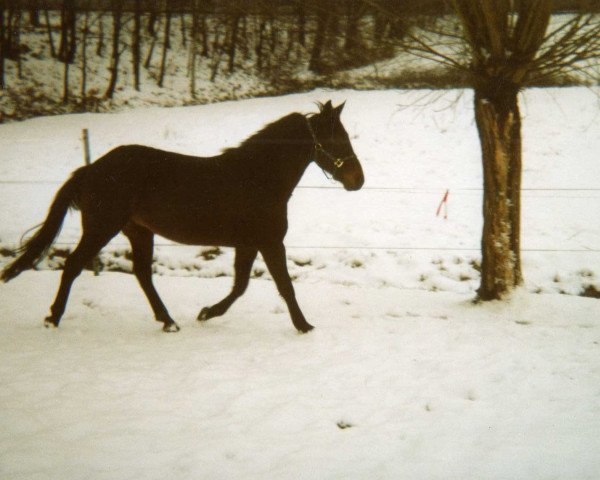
(244,258)
(274,256)
(142,247)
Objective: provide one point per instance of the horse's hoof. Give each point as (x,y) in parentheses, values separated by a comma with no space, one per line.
(50,323)
(204,314)
(305,328)
(171,327)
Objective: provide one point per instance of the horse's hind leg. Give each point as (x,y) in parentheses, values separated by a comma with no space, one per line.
(142,246)
(244,258)
(89,245)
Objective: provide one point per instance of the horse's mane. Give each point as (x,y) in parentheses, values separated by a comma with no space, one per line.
(271,134)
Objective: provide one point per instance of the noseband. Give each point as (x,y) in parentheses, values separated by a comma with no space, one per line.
(337,162)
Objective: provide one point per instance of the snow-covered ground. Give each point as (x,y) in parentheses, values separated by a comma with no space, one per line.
(391,384)
(403,376)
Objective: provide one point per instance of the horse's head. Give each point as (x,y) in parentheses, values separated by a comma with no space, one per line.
(333,150)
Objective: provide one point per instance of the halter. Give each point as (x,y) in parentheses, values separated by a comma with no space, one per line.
(337,162)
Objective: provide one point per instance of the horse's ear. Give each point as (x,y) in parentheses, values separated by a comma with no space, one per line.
(339,108)
(327,108)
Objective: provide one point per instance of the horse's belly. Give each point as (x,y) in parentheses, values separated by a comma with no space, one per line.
(242,228)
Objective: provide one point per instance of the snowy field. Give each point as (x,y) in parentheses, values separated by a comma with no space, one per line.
(403,377)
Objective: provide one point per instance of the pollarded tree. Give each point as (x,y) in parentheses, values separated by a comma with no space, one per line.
(504,46)
(502,49)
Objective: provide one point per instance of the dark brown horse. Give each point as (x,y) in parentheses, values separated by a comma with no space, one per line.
(237,199)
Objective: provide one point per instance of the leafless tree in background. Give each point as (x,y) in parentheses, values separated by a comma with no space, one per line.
(166,44)
(502,47)
(278,41)
(117,15)
(84,67)
(136,43)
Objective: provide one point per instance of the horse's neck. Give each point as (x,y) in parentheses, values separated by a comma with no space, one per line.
(281,171)
(278,165)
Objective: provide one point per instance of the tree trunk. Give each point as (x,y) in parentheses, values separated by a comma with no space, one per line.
(148,61)
(499,126)
(183,30)
(235,23)
(72,34)
(8,31)
(65,97)
(135,44)
(152,23)
(17,41)
(301,9)
(204,32)
(193,49)
(151,29)
(49,32)
(34,14)
(323,17)
(163,61)
(217,51)
(379,24)
(351,40)
(245,41)
(100,44)
(259,44)
(84,41)
(66,49)
(116,52)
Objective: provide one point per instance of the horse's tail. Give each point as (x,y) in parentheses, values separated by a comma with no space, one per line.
(34,249)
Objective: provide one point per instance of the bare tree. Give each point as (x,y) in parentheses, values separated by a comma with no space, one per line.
(84,41)
(183,29)
(502,47)
(323,20)
(135,43)
(301,12)
(233,38)
(193,52)
(16,28)
(258,48)
(354,11)
(116,48)
(217,51)
(100,42)
(49,32)
(166,45)
(68,32)
(68,42)
(151,29)
(204,34)
(34,13)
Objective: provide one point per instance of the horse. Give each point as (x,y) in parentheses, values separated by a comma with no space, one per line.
(236,199)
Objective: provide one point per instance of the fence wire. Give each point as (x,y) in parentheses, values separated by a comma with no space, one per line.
(405,190)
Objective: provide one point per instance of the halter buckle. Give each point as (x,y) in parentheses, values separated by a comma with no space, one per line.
(338,162)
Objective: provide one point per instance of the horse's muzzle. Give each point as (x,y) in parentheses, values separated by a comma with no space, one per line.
(353,180)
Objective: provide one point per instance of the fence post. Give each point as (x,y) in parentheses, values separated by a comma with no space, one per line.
(87,157)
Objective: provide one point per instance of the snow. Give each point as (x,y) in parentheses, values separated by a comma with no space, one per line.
(429,385)
(403,377)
